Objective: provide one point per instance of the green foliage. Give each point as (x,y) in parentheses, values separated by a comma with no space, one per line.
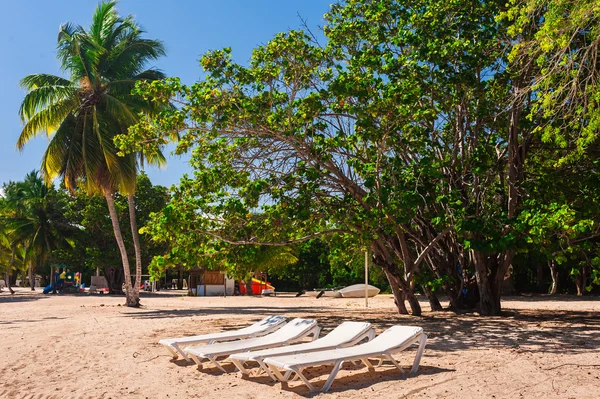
(559,39)
(82,113)
(33,222)
(95,244)
(407,133)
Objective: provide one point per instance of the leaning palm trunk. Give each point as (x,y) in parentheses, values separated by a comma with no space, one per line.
(131,300)
(136,244)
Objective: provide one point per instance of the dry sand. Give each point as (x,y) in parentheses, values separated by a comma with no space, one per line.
(91,347)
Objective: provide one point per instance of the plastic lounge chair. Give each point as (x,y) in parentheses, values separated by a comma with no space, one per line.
(346,334)
(393,340)
(293,331)
(265,326)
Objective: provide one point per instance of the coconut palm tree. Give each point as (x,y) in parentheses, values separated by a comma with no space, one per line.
(33,222)
(82,113)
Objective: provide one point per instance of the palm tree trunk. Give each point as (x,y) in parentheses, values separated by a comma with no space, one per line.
(136,244)
(108,194)
(10,266)
(31,279)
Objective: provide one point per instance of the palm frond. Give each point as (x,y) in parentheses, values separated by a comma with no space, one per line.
(36,80)
(103,21)
(130,57)
(47,119)
(43,96)
(94,104)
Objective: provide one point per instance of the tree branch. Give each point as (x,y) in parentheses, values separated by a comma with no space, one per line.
(273,244)
(428,248)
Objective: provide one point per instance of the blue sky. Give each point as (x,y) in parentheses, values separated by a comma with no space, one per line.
(188,28)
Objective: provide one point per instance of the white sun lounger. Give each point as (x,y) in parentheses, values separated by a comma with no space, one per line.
(391,341)
(265,326)
(346,334)
(293,331)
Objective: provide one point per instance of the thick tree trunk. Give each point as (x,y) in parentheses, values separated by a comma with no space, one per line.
(554,274)
(136,244)
(130,300)
(489,303)
(434,302)
(398,294)
(415,306)
(31,276)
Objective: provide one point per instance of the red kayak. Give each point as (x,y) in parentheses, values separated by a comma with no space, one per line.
(257,287)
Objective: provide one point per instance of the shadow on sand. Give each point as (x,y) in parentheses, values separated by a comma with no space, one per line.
(521,330)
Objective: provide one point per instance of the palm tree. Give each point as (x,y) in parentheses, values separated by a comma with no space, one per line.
(33,223)
(83,113)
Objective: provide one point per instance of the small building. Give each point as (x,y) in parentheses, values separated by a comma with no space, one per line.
(203,282)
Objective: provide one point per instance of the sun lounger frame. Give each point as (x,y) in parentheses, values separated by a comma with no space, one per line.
(369,334)
(176,349)
(297,370)
(212,357)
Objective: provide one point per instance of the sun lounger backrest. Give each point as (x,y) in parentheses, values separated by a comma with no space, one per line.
(345,332)
(292,329)
(391,338)
(265,323)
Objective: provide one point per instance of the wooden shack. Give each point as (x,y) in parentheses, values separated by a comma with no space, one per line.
(203,282)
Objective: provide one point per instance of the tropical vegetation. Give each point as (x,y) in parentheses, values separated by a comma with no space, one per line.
(452,140)
(83,112)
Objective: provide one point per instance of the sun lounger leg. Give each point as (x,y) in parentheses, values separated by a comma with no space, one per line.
(288,374)
(181,352)
(238,364)
(278,374)
(217,364)
(367,363)
(172,351)
(197,360)
(422,343)
(305,380)
(336,369)
(265,368)
(390,358)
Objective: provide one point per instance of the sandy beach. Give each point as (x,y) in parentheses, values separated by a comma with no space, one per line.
(92,347)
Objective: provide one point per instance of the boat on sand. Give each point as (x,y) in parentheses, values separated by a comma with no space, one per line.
(358,291)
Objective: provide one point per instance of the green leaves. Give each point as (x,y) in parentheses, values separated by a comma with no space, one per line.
(83,113)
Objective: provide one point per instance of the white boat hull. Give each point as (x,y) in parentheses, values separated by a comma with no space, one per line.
(358,291)
(312,293)
(332,294)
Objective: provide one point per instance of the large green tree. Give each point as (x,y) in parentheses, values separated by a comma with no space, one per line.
(84,111)
(379,136)
(411,132)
